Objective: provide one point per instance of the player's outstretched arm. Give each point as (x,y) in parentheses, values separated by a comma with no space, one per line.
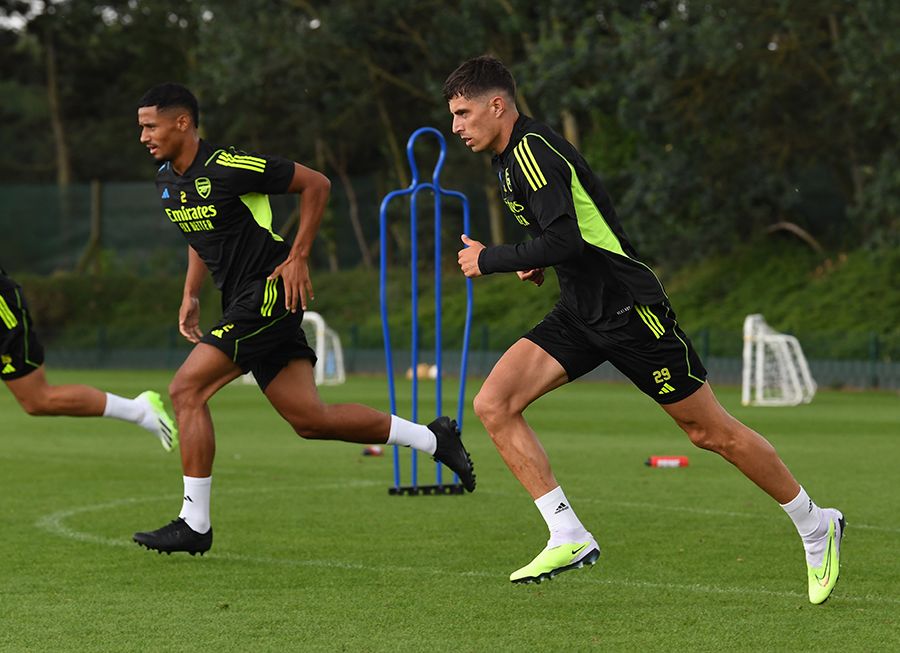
(468,262)
(560,241)
(314,189)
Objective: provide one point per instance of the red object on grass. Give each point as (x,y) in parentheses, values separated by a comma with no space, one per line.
(667,461)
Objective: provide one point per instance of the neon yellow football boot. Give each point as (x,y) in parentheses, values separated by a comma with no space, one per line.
(557,559)
(823,578)
(157,420)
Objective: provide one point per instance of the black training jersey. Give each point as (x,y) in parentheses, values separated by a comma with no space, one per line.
(221,206)
(550,190)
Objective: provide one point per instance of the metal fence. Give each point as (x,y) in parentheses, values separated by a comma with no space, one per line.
(836,374)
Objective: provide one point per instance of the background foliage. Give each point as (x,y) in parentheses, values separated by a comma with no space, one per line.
(750,147)
(710,121)
(836,306)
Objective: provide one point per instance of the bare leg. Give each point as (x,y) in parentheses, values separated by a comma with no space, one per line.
(524,373)
(37,397)
(293,394)
(710,427)
(204,372)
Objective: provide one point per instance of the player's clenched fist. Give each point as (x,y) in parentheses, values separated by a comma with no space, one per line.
(468,257)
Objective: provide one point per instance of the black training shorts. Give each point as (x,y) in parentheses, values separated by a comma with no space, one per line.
(21,353)
(650,349)
(258,333)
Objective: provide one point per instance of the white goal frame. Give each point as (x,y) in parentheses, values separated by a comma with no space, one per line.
(775,370)
(325,341)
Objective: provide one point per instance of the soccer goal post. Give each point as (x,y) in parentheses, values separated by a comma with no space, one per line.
(327,344)
(775,370)
(325,341)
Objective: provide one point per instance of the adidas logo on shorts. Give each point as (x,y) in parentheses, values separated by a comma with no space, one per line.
(666,389)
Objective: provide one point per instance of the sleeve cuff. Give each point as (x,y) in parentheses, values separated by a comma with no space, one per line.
(484,262)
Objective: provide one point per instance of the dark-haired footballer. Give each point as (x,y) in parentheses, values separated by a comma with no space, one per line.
(217,197)
(611,308)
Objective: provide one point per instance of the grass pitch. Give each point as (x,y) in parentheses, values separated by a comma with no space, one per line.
(311,554)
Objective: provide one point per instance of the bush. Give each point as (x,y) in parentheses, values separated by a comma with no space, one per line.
(844,306)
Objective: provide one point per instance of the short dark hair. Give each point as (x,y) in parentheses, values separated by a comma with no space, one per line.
(478,76)
(170,95)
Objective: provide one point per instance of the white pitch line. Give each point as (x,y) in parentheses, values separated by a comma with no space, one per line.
(54,523)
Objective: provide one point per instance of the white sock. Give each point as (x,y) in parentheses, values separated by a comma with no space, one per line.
(128,410)
(564,525)
(804,513)
(410,434)
(195,508)
(810,522)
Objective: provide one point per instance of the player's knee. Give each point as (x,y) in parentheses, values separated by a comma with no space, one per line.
(700,437)
(309,430)
(35,405)
(491,408)
(708,437)
(482,407)
(307,433)
(310,424)
(177,394)
(183,395)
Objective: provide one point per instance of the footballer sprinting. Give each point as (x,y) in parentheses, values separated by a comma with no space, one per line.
(611,308)
(22,370)
(217,198)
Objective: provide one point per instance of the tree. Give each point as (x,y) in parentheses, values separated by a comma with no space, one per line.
(94,61)
(708,121)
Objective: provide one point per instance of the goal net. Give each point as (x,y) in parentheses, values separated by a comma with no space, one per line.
(775,370)
(329,369)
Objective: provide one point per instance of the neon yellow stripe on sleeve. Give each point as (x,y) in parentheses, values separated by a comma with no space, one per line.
(9,319)
(526,169)
(540,175)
